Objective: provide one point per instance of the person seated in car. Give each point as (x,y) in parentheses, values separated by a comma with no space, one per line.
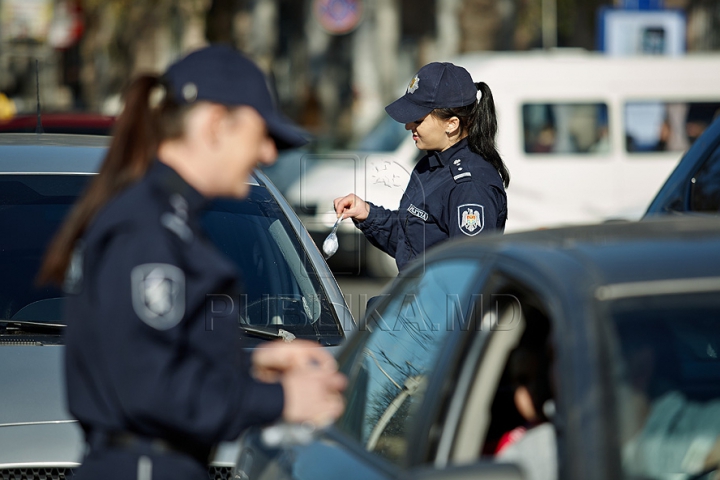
(531,446)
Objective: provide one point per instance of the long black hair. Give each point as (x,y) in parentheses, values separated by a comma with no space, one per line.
(478,119)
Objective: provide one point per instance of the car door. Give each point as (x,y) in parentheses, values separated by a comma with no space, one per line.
(542,335)
(396,369)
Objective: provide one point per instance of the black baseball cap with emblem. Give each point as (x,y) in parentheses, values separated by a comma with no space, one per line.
(436,85)
(221,74)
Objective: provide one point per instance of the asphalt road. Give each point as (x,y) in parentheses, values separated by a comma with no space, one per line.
(358,289)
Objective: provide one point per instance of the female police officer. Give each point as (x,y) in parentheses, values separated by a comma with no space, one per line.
(153,385)
(458,188)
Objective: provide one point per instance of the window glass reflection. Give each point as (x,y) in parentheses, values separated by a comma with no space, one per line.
(390,371)
(668,384)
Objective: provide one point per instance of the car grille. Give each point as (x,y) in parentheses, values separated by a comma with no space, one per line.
(214,473)
(220,473)
(48,473)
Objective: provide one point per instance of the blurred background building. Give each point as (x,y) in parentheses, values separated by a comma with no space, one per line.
(334,63)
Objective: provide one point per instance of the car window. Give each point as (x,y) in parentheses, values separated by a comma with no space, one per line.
(282,289)
(668,383)
(31,209)
(390,365)
(565,128)
(705,189)
(655,126)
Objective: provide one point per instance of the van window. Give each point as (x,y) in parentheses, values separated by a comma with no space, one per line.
(565,128)
(656,126)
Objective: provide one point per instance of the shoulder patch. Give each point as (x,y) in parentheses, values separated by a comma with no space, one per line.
(176,222)
(459,172)
(74,273)
(471,218)
(158,294)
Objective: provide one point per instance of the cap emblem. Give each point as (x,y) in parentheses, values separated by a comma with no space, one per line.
(414,84)
(190,92)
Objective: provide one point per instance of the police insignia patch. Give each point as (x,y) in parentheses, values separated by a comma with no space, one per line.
(414,84)
(158,294)
(471,219)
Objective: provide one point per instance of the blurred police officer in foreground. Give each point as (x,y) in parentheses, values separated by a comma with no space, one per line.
(458,188)
(153,389)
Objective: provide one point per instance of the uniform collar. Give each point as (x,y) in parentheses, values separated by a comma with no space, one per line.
(170,183)
(440,159)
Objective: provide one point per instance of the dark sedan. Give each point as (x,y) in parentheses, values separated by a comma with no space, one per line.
(579,353)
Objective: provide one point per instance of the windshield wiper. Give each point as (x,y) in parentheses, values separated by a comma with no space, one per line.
(22,326)
(268,333)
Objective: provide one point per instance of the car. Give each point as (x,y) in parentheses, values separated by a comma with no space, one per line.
(290,292)
(78,123)
(694,186)
(620,322)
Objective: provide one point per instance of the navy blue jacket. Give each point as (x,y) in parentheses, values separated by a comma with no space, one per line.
(451,193)
(140,356)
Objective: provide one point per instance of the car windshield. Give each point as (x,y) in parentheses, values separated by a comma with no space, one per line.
(281,288)
(668,384)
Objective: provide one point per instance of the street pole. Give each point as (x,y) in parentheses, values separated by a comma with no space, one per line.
(549,24)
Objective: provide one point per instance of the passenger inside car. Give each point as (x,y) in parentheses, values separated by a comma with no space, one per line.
(531,443)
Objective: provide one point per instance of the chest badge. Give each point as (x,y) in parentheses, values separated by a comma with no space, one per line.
(471,219)
(422,214)
(158,294)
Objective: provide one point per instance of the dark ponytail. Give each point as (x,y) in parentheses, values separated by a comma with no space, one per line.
(478,119)
(136,136)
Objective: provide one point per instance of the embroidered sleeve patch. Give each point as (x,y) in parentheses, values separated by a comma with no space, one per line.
(158,294)
(471,218)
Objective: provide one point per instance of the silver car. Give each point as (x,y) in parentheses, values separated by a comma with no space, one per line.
(291,292)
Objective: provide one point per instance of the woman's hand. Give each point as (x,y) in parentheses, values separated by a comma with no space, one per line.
(273,359)
(352,206)
(309,377)
(313,396)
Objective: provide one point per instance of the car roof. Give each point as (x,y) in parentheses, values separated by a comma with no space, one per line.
(49,153)
(611,253)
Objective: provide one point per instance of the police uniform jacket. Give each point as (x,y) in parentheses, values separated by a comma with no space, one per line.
(451,193)
(141,357)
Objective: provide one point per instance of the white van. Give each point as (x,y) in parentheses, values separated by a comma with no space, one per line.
(586,138)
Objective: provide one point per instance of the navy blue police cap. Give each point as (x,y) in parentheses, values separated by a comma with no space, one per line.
(436,85)
(221,74)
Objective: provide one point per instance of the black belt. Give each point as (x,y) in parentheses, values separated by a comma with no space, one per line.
(133,441)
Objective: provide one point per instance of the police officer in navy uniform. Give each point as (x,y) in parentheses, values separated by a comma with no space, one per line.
(458,188)
(153,383)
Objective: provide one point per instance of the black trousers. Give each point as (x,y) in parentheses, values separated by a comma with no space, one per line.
(136,464)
